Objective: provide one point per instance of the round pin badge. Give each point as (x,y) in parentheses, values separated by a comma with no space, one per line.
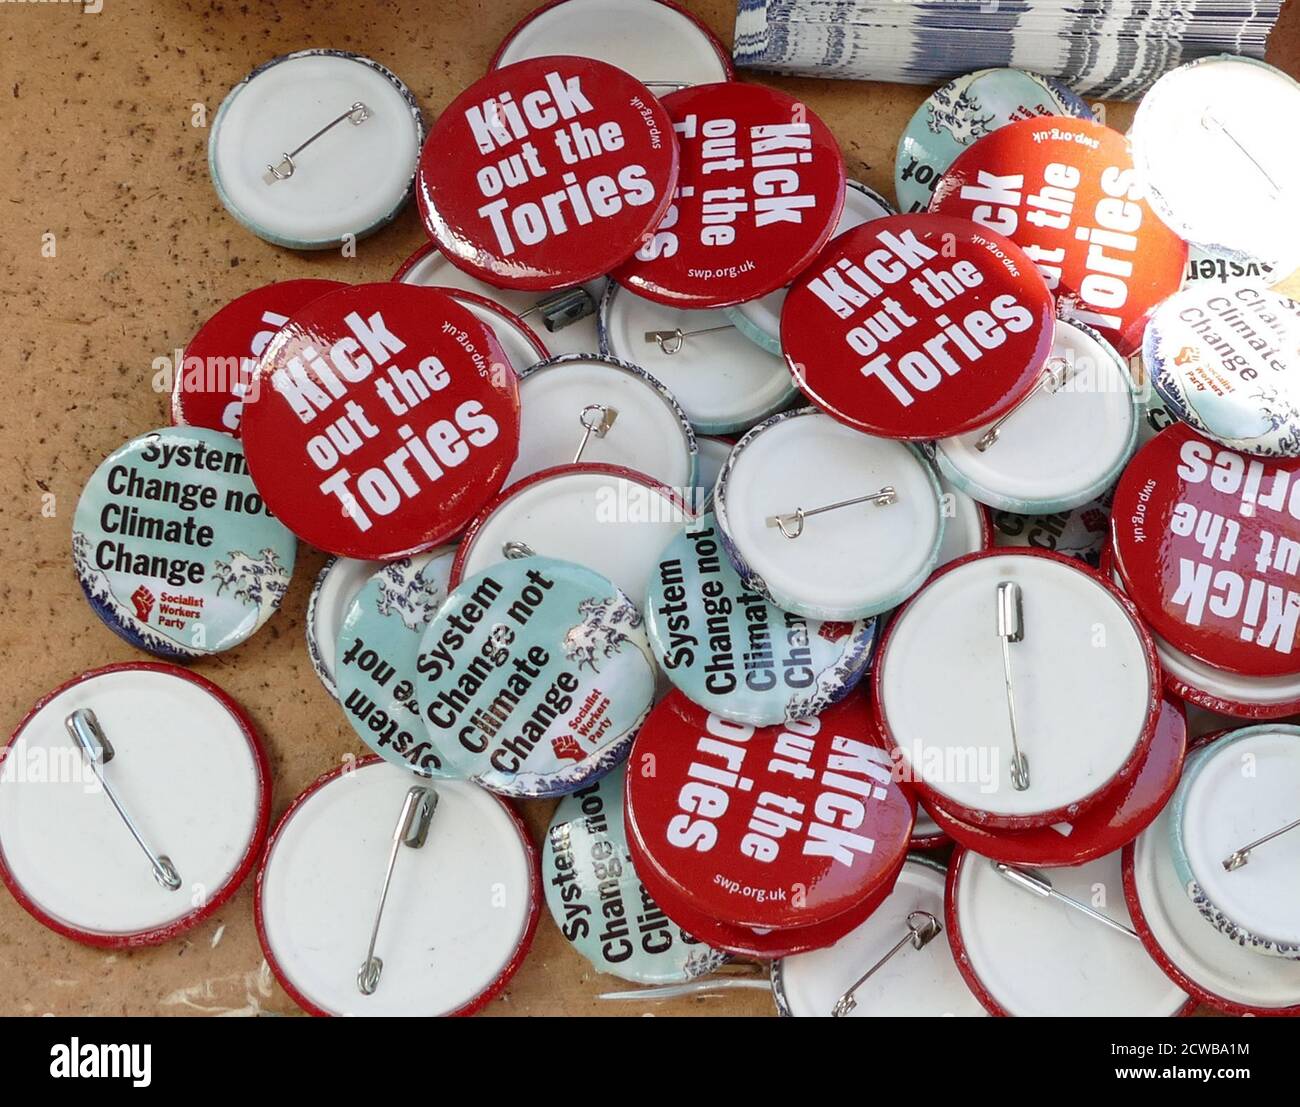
(431,890)
(961,113)
(659,43)
(1208,130)
(1065,444)
(772,827)
(1028,942)
(376,651)
(615,521)
(534,677)
(1200,536)
(724,383)
(1109,825)
(1233,840)
(175,549)
(735,654)
(547,173)
(385,416)
(760,320)
(1201,960)
(849,532)
(216,367)
(158,814)
(587,407)
(1065,191)
(1080,533)
(903,951)
(314,148)
(598,902)
(337,583)
(1013,634)
(918,326)
(1222,358)
(760,191)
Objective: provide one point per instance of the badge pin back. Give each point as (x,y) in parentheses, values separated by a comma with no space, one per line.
(660,44)
(432,898)
(385,416)
(1015,674)
(588,407)
(376,651)
(535,676)
(175,548)
(315,148)
(961,113)
(755,664)
(114,853)
(918,327)
(547,173)
(1025,939)
(586,863)
(1066,193)
(728,236)
(850,531)
(217,365)
(724,383)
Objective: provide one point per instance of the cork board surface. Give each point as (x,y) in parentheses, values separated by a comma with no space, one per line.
(99,150)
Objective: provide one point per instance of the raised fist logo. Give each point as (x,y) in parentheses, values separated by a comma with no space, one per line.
(834,631)
(567,747)
(1187,354)
(143,600)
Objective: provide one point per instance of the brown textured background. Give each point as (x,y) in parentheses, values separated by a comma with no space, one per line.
(98,148)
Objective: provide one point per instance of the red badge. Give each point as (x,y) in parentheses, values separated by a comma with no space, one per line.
(383,416)
(1065,191)
(760,192)
(917,326)
(1207,544)
(547,173)
(781,826)
(217,366)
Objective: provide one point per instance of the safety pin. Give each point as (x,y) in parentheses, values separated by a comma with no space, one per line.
(1238,857)
(561,308)
(1011,628)
(89,736)
(513,551)
(1212,122)
(412,830)
(596,419)
(922,928)
(1031,880)
(357,114)
(882,498)
(671,341)
(1055,376)
(725,978)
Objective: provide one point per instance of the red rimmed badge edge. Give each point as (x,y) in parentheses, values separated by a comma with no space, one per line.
(1177,686)
(248,859)
(938,840)
(510,491)
(1128,870)
(1131,764)
(462,296)
(479,1001)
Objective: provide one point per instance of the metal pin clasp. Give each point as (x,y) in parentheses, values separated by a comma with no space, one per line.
(513,551)
(1238,857)
(1011,628)
(558,309)
(1212,122)
(411,831)
(671,341)
(791,523)
(90,737)
(1055,376)
(595,419)
(922,928)
(357,114)
(1031,880)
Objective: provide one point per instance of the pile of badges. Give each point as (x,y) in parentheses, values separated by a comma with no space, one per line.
(682,480)
(1098,47)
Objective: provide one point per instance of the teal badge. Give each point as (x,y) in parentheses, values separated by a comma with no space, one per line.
(174,547)
(737,655)
(534,677)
